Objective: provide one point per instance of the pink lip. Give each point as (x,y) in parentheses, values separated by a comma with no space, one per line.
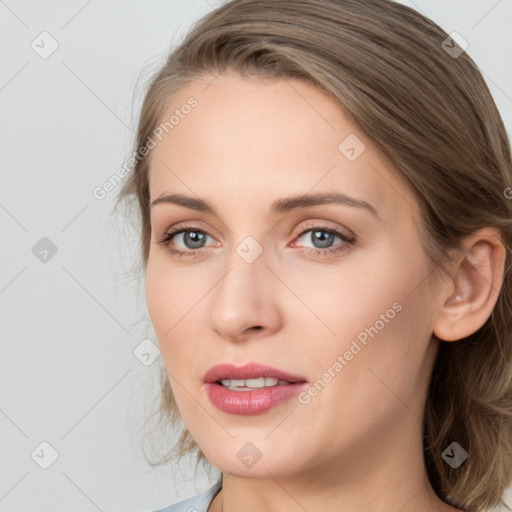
(249,402)
(248,371)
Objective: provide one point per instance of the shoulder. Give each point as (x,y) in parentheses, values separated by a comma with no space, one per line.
(198,503)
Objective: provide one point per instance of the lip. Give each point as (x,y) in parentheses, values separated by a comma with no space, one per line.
(250,402)
(248,371)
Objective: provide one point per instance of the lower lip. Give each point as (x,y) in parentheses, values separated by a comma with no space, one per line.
(251,402)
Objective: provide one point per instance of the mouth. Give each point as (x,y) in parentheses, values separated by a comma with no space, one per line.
(251,384)
(249,377)
(250,389)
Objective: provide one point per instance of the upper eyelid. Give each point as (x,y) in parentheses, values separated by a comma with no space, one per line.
(304,226)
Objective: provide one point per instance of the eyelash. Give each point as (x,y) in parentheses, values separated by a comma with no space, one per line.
(191,253)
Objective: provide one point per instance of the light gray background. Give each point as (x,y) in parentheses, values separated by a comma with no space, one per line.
(70,325)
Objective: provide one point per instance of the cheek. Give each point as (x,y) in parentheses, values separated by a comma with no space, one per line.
(167,301)
(376,361)
(174,297)
(374,311)
(396,361)
(158,299)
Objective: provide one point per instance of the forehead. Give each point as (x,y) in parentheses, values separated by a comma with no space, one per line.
(251,140)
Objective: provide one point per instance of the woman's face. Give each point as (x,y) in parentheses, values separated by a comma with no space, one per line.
(266,279)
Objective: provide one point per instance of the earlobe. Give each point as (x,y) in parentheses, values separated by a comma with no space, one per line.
(475,286)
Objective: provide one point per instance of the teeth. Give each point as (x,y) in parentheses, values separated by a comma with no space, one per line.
(248,384)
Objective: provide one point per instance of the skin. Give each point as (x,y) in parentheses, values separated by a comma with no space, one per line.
(357,444)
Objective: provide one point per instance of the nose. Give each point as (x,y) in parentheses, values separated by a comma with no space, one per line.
(245,302)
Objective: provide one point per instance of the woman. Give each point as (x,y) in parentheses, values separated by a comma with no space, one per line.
(325,226)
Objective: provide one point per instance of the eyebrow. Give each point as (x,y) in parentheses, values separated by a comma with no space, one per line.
(279,206)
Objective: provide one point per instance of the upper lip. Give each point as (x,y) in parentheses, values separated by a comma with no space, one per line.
(248,371)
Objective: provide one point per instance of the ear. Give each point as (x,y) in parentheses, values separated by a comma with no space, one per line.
(471,294)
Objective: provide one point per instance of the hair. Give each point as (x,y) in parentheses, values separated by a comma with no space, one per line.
(431,112)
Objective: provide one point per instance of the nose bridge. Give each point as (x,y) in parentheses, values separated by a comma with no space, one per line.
(246,275)
(242,298)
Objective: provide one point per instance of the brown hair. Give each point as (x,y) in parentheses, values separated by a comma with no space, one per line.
(431,112)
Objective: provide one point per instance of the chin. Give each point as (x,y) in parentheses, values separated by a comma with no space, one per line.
(257,468)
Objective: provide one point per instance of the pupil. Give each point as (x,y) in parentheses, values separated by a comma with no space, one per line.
(194,239)
(325,239)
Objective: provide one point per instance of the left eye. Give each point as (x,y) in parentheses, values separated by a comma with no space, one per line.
(323,238)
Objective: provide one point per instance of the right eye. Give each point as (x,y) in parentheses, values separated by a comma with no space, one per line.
(192,240)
